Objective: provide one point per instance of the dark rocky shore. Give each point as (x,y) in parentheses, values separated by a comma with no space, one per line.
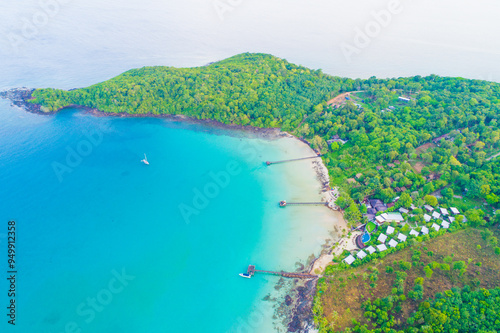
(19,97)
(301,317)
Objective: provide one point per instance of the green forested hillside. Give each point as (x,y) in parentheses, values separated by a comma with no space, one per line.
(248,89)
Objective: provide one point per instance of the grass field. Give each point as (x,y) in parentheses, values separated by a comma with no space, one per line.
(370,227)
(343,293)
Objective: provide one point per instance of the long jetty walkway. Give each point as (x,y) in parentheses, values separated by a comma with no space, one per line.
(294,159)
(284,203)
(251,272)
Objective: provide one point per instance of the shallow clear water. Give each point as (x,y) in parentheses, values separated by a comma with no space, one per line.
(88,210)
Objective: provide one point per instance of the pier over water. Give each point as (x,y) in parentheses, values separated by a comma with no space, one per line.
(251,272)
(291,160)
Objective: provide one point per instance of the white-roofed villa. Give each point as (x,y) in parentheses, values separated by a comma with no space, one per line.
(361,254)
(393,243)
(381,247)
(349,260)
(370,249)
(436,215)
(382,238)
(390,230)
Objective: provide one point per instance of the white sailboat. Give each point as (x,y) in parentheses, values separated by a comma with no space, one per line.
(145,160)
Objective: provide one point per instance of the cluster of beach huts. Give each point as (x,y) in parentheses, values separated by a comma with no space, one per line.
(441,218)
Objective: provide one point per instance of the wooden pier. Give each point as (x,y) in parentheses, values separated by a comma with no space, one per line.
(284,203)
(292,160)
(251,272)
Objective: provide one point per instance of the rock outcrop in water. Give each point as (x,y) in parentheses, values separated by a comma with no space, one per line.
(301,315)
(19,97)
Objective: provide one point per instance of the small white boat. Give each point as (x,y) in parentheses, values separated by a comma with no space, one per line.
(145,160)
(245,275)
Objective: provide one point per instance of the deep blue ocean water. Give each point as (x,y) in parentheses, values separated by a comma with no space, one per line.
(102,243)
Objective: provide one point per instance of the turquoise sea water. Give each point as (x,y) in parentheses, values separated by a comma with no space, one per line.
(102,244)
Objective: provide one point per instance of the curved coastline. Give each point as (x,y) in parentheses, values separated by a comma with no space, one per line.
(295,312)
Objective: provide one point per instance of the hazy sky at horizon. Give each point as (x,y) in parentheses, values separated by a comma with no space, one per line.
(80,42)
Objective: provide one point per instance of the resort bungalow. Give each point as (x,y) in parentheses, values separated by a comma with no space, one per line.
(425,230)
(414,232)
(370,249)
(379,219)
(436,215)
(382,238)
(375,202)
(394,217)
(389,230)
(404,210)
(361,254)
(336,138)
(351,180)
(454,210)
(393,243)
(402,237)
(381,247)
(428,208)
(404,99)
(444,211)
(445,225)
(427,218)
(451,218)
(349,260)
(435,226)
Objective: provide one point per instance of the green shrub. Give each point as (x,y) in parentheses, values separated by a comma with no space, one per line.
(428,271)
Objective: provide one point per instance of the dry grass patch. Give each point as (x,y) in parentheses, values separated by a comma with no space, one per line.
(347,290)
